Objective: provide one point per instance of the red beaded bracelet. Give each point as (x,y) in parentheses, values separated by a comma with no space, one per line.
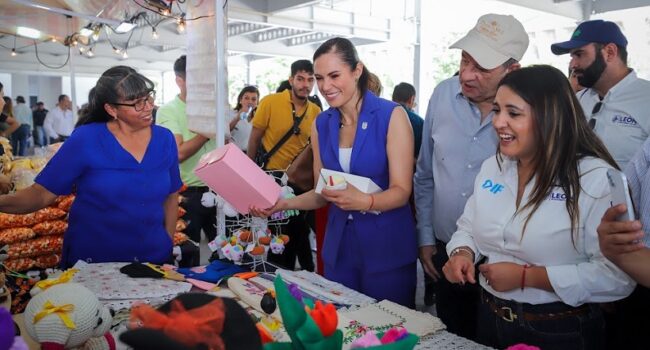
(523,276)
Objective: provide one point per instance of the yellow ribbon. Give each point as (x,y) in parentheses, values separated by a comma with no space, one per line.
(61,311)
(64,278)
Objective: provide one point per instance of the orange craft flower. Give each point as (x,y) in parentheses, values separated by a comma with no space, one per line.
(201,325)
(325,317)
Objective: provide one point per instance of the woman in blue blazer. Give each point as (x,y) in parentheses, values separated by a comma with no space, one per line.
(364,135)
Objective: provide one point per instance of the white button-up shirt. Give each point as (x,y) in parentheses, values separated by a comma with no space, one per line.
(576,268)
(59,122)
(638,177)
(623,121)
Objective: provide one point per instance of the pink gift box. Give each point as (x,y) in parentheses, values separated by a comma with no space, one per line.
(235,177)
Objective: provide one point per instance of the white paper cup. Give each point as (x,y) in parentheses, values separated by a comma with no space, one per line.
(337,187)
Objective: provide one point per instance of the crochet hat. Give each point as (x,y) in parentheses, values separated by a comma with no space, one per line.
(192,321)
(494,40)
(596,31)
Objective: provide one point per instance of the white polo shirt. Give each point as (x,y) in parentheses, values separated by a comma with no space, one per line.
(577,270)
(59,122)
(623,122)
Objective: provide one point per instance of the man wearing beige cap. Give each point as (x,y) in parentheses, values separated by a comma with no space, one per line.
(457,138)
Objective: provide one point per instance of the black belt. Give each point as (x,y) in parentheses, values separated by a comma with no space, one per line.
(197,189)
(511,310)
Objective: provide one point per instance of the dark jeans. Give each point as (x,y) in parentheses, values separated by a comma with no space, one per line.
(19,140)
(584,330)
(298,231)
(627,321)
(455,304)
(198,217)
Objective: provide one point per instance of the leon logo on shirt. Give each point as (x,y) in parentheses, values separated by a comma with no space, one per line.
(492,187)
(557,196)
(624,120)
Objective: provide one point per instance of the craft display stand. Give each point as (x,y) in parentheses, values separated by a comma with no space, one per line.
(255,224)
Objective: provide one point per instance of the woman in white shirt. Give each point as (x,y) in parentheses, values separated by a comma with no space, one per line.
(240,118)
(533,217)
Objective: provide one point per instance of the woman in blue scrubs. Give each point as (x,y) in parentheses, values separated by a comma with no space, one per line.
(124,171)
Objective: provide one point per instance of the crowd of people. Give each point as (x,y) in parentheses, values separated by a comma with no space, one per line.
(36,126)
(506,200)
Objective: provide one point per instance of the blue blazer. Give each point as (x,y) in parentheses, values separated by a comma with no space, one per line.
(388,239)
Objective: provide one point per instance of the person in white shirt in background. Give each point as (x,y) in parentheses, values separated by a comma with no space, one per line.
(21,137)
(59,122)
(240,119)
(533,217)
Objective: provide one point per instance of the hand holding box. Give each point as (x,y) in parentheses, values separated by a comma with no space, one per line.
(235,177)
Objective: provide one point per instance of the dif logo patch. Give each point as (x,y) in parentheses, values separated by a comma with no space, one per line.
(625,120)
(492,186)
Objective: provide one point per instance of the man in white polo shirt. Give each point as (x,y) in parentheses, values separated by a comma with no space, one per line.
(615,100)
(59,122)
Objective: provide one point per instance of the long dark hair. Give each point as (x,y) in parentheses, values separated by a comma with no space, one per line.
(562,134)
(246,89)
(348,54)
(119,82)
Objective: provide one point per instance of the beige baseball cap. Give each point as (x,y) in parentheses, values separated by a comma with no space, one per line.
(494,40)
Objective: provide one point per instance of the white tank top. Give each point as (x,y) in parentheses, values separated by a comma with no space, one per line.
(345,155)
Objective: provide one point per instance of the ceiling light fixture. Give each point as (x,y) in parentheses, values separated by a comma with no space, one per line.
(13,51)
(90,52)
(87,31)
(125,55)
(154,33)
(96,32)
(181,25)
(28,32)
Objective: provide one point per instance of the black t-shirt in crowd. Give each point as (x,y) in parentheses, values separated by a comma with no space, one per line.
(3,118)
(39,117)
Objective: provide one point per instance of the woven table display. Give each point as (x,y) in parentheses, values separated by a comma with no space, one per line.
(323,289)
(356,321)
(118,291)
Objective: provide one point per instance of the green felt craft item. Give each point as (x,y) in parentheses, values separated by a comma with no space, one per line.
(305,334)
(407,343)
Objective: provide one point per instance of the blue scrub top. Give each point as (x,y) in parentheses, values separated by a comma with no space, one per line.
(118,212)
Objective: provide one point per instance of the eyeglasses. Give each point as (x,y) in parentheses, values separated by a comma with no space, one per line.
(140,104)
(594,111)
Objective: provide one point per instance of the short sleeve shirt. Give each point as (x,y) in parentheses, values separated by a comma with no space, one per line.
(118,212)
(173,117)
(274,116)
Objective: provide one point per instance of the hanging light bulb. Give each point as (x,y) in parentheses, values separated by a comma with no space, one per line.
(165,12)
(82,49)
(181,25)
(116,50)
(154,33)
(53,39)
(96,32)
(13,53)
(90,53)
(125,55)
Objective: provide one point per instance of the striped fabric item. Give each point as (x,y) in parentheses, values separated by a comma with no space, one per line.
(638,176)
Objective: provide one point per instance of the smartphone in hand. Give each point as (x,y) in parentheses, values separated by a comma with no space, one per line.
(620,193)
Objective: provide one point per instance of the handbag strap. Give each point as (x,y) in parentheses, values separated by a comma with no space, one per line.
(295,130)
